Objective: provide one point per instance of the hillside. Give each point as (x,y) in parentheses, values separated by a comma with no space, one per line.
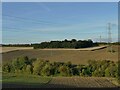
(75,56)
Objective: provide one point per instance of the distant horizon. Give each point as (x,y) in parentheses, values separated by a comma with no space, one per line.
(38,22)
(50,41)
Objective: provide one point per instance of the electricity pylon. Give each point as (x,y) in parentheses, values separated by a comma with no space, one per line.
(100,38)
(109,37)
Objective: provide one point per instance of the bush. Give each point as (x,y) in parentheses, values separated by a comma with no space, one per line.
(38,66)
(6,67)
(46,70)
(29,69)
(64,71)
(107,72)
(20,63)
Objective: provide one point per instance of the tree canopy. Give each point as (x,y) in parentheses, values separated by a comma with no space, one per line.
(103,68)
(66,44)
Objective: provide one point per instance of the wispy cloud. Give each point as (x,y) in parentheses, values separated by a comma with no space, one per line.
(80,27)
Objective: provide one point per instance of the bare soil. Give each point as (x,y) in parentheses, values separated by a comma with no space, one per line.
(75,56)
(69,82)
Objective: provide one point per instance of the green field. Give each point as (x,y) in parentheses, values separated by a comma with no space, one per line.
(24,80)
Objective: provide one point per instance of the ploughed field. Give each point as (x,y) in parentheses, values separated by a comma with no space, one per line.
(75,56)
(79,82)
(66,82)
(10,80)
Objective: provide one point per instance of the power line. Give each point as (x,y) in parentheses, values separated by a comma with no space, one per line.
(109,33)
(109,37)
(100,38)
(11,29)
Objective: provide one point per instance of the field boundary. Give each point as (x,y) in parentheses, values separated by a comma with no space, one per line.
(11,49)
(81,49)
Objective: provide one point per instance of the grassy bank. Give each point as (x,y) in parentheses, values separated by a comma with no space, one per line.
(23,79)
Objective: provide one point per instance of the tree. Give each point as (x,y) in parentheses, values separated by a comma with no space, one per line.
(29,69)
(95,73)
(118,63)
(65,44)
(20,63)
(37,66)
(46,71)
(73,40)
(86,72)
(6,67)
(69,64)
(107,72)
(111,71)
(75,71)
(64,70)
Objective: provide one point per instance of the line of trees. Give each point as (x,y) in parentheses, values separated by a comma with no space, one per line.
(106,43)
(103,68)
(66,44)
(16,45)
(73,43)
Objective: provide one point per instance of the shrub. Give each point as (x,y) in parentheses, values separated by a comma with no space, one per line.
(64,71)
(6,67)
(46,71)
(37,66)
(29,69)
(45,68)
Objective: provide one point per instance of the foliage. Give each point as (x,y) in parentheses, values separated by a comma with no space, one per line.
(47,70)
(103,68)
(16,45)
(29,69)
(64,71)
(66,44)
(37,66)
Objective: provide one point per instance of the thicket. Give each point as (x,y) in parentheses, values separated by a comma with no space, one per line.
(16,45)
(73,43)
(103,68)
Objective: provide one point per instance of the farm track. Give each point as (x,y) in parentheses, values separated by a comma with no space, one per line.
(11,49)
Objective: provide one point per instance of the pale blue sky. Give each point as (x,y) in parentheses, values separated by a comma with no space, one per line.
(37,22)
(60,0)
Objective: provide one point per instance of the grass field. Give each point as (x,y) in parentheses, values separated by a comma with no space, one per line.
(75,56)
(31,81)
(21,80)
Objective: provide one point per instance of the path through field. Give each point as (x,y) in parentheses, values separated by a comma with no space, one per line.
(9,49)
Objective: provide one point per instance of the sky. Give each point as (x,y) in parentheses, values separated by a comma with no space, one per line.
(60,0)
(39,22)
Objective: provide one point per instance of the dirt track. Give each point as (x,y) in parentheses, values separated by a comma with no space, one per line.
(8,49)
(81,49)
